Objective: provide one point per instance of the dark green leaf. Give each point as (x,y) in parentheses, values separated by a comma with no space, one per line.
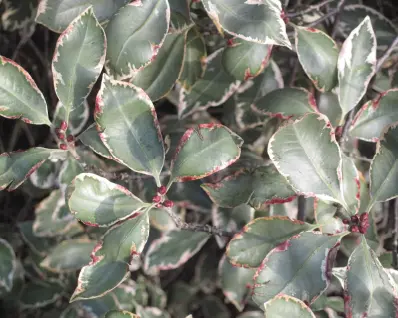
(40,294)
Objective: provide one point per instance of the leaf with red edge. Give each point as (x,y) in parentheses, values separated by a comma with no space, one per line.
(98,202)
(249,247)
(20,97)
(286,306)
(369,291)
(257,187)
(350,185)
(286,103)
(16,167)
(300,267)
(90,137)
(375,116)
(110,258)
(129,127)
(173,249)
(203,151)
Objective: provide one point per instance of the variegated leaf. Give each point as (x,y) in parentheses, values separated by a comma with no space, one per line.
(173,249)
(39,245)
(18,14)
(286,306)
(300,267)
(244,60)
(129,128)
(16,167)
(307,154)
(8,265)
(328,104)
(120,314)
(218,147)
(135,35)
(260,236)
(356,65)
(91,138)
(78,61)
(39,294)
(20,97)
(78,117)
(98,202)
(110,258)
(369,290)
(257,187)
(286,103)
(58,14)
(257,21)
(212,90)
(317,53)
(45,176)
(180,17)
(159,77)
(69,170)
(350,185)
(375,116)
(324,213)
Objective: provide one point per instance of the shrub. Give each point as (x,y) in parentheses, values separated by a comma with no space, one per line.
(260,193)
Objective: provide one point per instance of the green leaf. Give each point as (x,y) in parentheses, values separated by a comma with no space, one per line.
(110,258)
(159,77)
(375,116)
(194,60)
(16,167)
(307,154)
(39,245)
(384,168)
(173,249)
(317,53)
(78,61)
(369,290)
(300,266)
(356,65)
(120,314)
(328,104)
(234,282)
(151,312)
(39,294)
(53,217)
(282,306)
(350,185)
(257,187)
(244,60)
(57,14)
(255,21)
(135,35)
(252,314)
(325,216)
(8,265)
(212,90)
(78,117)
(353,14)
(18,14)
(69,170)
(286,103)
(98,202)
(91,138)
(20,97)
(180,17)
(260,236)
(45,176)
(129,128)
(69,256)
(203,151)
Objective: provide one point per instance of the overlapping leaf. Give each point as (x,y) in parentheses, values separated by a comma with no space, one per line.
(350,185)
(300,267)
(203,151)
(369,289)
(15,167)
(376,115)
(307,154)
(174,249)
(180,17)
(257,187)
(98,202)
(78,117)
(287,306)
(20,97)
(91,138)
(325,216)
(286,103)
(159,77)
(260,236)
(328,104)
(45,176)
(7,265)
(255,21)
(129,128)
(317,53)
(356,65)
(110,258)
(57,14)
(78,61)
(135,35)
(244,60)
(39,245)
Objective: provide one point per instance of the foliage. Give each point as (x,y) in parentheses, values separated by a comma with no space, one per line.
(214,158)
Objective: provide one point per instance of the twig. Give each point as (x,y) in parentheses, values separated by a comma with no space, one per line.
(198,227)
(395,233)
(386,54)
(309,9)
